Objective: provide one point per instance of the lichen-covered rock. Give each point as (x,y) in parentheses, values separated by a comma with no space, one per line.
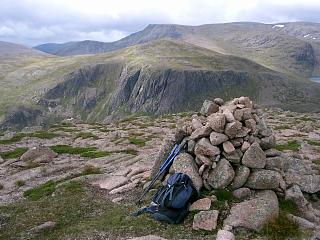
(268,142)
(242,193)
(185,163)
(208,108)
(254,213)
(241,175)
(307,183)
(205,220)
(254,157)
(263,179)
(217,121)
(225,235)
(201,132)
(39,154)
(232,129)
(204,147)
(233,157)
(218,101)
(228,147)
(217,138)
(196,123)
(201,204)
(229,115)
(276,163)
(222,175)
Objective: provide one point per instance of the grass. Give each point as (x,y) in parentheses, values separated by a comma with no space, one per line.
(86,135)
(16,153)
(81,212)
(95,154)
(37,193)
(89,169)
(282,228)
(314,143)
(282,127)
(20,183)
(288,206)
(307,119)
(223,195)
(60,149)
(292,145)
(39,134)
(137,141)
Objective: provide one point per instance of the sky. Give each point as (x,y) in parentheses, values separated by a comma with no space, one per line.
(33,22)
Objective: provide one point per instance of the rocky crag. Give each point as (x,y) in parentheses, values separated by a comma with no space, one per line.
(231,147)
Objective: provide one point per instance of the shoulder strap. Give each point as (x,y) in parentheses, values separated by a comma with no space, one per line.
(151,209)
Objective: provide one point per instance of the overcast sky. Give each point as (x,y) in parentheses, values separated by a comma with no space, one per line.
(33,22)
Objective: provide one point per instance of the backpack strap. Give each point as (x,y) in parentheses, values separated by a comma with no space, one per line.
(151,209)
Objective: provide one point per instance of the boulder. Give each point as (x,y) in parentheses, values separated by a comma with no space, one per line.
(303,223)
(245,146)
(218,101)
(222,175)
(254,157)
(238,114)
(233,157)
(276,163)
(263,179)
(217,138)
(201,204)
(242,193)
(217,121)
(254,213)
(201,132)
(241,175)
(205,220)
(203,159)
(209,107)
(185,163)
(39,154)
(272,152)
(251,124)
(228,147)
(232,129)
(225,235)
(294,194)
(245,101)
(268,142)
(196,123)
(307,183)
(229,116)
(204,147)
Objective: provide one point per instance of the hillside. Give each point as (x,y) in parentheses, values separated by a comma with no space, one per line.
(154,78)
(292,48)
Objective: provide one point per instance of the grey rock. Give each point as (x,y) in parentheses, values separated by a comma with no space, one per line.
(242,132)
(201,204)
(294,194)
(1,160)
(255,213)
(242,193)
(43,227)
(241,176)
(205,160)
(276,163)
(245,146)
(191,145)
(232,129)
(268,142)
(39,154)
(266,133)
(238,114)
(307,183)
(245,101)
(208,108)
(263,179)
(303,223)
(237,142)
(205,220)
(201,132)
(196,123)
(218,101)
(185,163)
(204,147)
(234,157)
(217,121)
(222,175)
(217,138)
(229,116)
(228,147)
(147,237)
(251,124)
(247,114)
(298,166)
(225,235)
(272,152)
(254,157)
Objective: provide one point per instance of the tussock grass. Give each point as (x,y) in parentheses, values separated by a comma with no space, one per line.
(38,134)
(86,135)
(89,169)
(292,145)
(314,143)
(37,193)
(16,153)
(60,149)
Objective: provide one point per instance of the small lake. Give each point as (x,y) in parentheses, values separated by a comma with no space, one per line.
(315,79)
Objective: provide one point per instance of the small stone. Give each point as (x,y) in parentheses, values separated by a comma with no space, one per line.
(254,157)
(243,132)
(222,175)
(201,204)
(276,163)
(268,142)
(237,142)
(232,129)
(218,101)
(245,146)
(217,122)
(1,160)
(229,116)
(251,124)
(206,220)
(234,157)
(294,194)
(266,132)
(205,160)
(242,193)
(263,179)
(147,237)
(303,223)
(241,176)
(39,154)
(204,147)
(246,102)
(208,108)
(247,114)
(43,227)
(228,147)
(201,132)
(217,138)
(238,114)
(118,199)
(225,235)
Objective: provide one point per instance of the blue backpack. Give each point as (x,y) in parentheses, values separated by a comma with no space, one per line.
(171,202)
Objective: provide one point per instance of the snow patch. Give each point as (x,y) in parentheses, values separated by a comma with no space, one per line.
(278,25)
(306,35)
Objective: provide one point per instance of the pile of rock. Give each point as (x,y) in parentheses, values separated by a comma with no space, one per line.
(231,147)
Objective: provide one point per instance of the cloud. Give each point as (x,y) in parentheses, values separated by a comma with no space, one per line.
(33,22)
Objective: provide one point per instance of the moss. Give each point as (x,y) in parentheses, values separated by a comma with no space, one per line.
(89,169)
(137,141)
(86,135)
(314,143)
(292,145)
(37,193)
(282,228)
(71,150)
(16,153)
(20,183)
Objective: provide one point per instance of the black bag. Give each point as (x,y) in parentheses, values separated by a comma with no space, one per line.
(171,202)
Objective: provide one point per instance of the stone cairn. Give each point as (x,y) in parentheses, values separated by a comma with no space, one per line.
(231,147)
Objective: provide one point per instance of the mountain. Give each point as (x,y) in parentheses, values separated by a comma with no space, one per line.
(291,48)
(157,77)
(12,49)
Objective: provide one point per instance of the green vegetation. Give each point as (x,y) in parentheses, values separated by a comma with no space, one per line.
(86,135)
(137,141)
(129,151)
(37,193)
(292,145)
(95,154)
(89,169)
(314,143)
(20,183)
(282,228)
(288,206)
(223,195)
(38,134)
(60,149)
(282,127)
(307,119)
(16,153)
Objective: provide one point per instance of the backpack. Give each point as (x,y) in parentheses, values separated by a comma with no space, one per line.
(171,202)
